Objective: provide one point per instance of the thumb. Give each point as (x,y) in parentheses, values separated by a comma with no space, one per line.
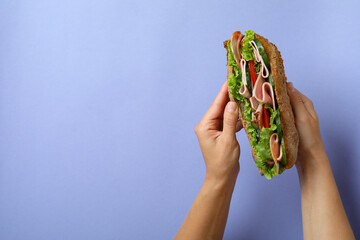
(231,115)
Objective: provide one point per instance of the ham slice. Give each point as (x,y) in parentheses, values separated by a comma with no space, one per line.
(244,90)
(253,117)
(253,103)
(258,58)
(263,91)
(259,109)
(276,150)
(235,46)
(257,112)
(257,115)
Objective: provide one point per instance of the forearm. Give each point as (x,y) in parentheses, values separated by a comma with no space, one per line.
(323,214)
(208,214)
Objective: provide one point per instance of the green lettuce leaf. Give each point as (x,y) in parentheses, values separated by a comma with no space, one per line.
(234,84)
(234,80)
(262,149)
(257,66)
(247,50)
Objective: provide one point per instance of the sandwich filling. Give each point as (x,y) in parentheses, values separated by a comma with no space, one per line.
(252,84)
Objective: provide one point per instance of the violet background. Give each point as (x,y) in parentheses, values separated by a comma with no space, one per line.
(99,99)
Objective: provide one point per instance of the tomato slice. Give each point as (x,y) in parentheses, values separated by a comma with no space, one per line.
(266,117)
(252,72)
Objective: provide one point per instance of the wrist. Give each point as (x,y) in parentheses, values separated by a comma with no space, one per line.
(318,153)
(312,159)
(313,166)
(220,184)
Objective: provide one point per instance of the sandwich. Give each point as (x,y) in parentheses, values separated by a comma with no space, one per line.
(257,83)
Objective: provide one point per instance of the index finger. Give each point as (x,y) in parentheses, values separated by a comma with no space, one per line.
(216,109)
(308,104)
(297,103)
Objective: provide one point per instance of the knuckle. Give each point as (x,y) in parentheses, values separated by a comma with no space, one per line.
(304,118)
(316,118)
(316,122)
(310,103)
(227,141)
(299,100)
(217,105)
(199,129)
(196,129)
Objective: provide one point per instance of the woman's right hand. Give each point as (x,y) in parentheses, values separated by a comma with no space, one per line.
(323,214)
(311,148)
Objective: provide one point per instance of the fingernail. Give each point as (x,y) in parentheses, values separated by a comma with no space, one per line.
(291,87)
(231,107)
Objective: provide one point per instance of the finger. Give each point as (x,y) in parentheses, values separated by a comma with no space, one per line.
(297,103)
(217,107)
(308,104)
(239,125)
(231,114)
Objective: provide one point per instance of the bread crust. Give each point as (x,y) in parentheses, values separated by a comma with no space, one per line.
(290,134)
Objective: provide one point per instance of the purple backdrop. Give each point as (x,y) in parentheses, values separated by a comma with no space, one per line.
(99,99)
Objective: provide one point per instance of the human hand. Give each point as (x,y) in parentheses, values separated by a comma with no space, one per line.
(311,148)
(216,135)
(323,214)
